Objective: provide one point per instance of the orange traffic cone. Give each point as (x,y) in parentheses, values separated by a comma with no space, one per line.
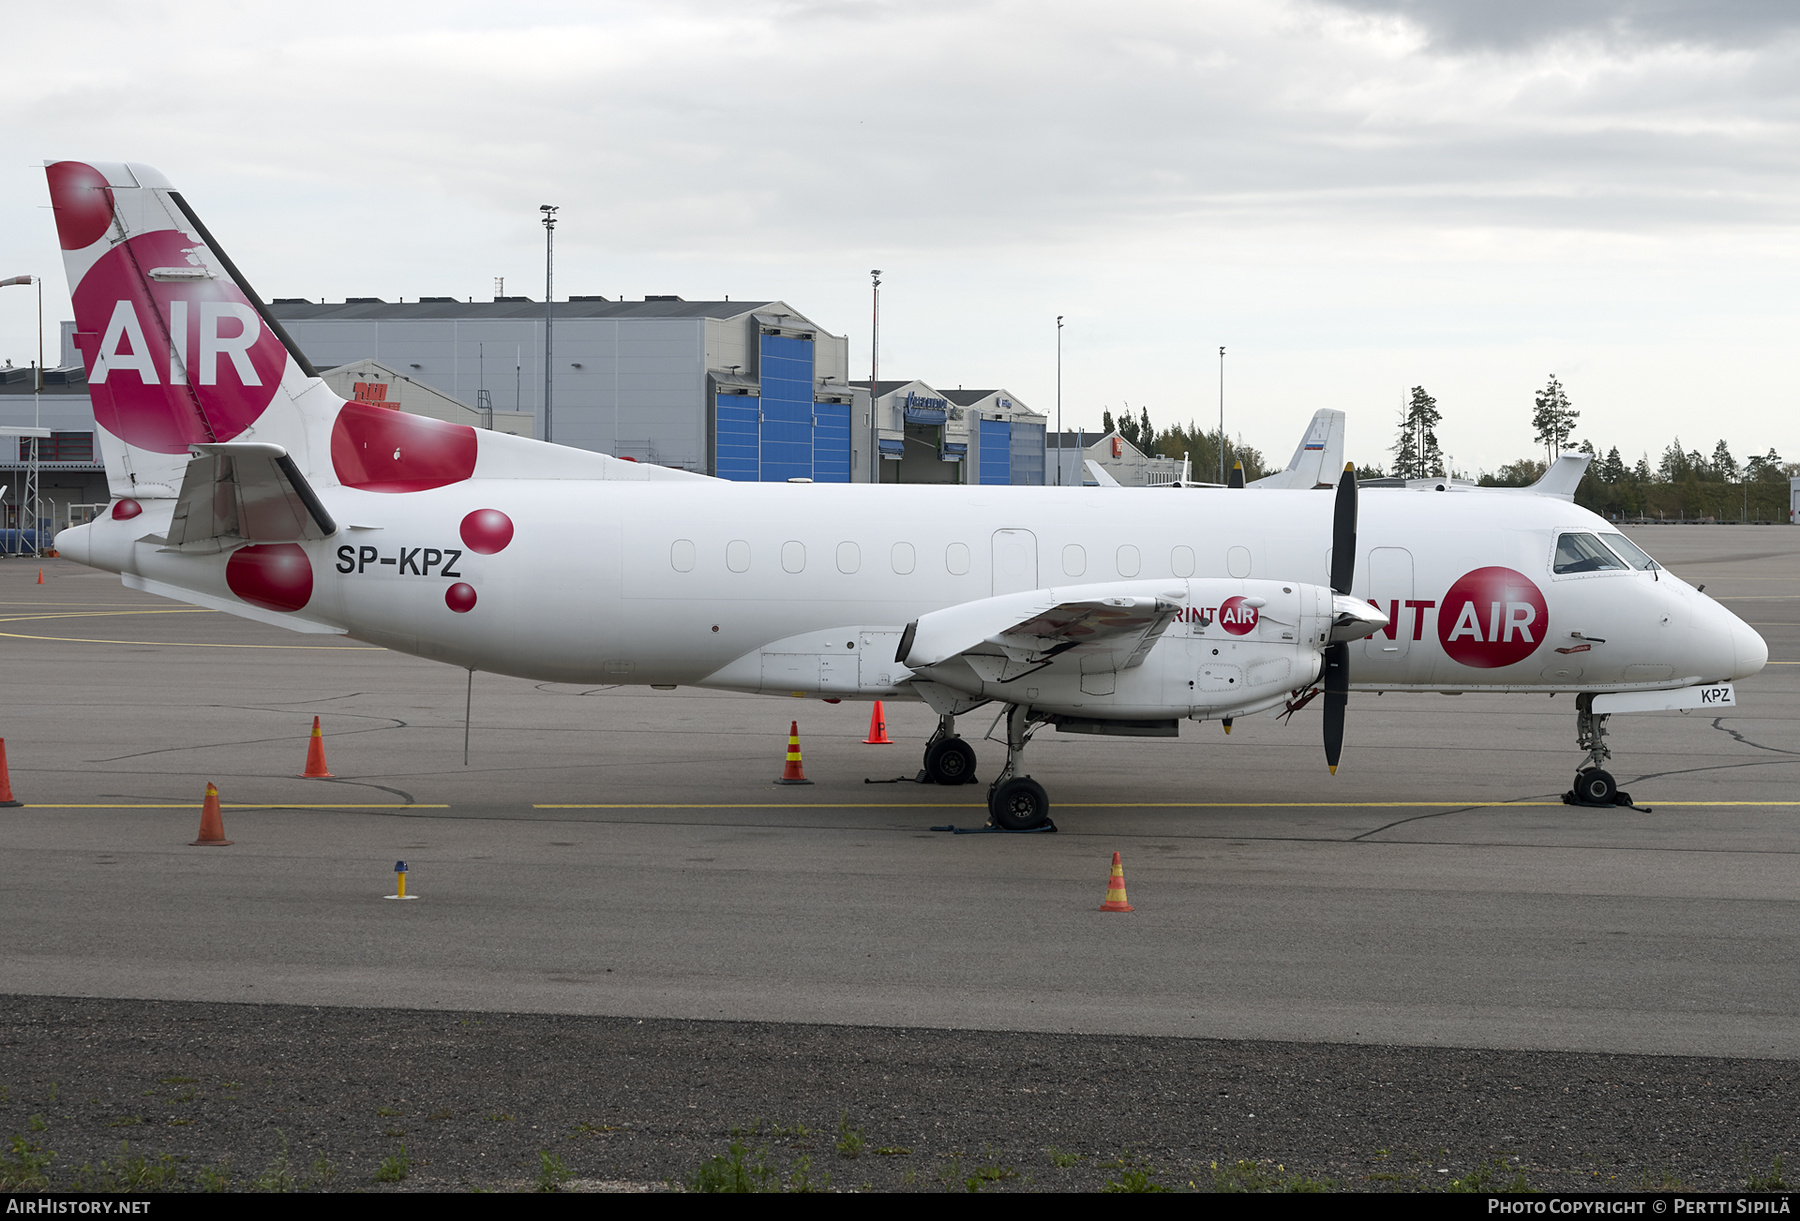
(315,756)
(792,774)
(877,728)
(40,579)
(6,797)
(1115,889)
(212,827)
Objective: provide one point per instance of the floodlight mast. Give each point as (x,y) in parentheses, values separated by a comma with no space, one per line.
(28,500)
(549,211)
(874,374)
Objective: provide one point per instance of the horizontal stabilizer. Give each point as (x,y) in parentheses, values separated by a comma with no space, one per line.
(246,490)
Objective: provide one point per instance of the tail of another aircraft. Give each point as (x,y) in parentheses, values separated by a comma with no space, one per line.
(1317,459)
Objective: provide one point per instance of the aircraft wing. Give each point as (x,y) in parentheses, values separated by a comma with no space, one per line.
(247,490)
(1317,459)
(1108,627)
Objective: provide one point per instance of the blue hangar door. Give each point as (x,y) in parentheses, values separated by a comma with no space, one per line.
(783,434)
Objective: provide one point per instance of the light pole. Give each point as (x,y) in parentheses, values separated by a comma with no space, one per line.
(549,211)
(28,506)
(1221,413)
(874,374)
(1059,434)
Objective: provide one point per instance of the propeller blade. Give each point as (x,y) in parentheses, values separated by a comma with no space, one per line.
(1343,575)
(1237,475)
(1337,701)
(1343,533)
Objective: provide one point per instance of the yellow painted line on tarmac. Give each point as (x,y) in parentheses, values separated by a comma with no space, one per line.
(160,610)
(248,805)
(174,644)
(1113,805)
(195,644)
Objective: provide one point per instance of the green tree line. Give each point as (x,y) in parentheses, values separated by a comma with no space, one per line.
(1201,447)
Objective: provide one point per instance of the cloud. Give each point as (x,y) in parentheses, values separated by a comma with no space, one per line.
(1520,24)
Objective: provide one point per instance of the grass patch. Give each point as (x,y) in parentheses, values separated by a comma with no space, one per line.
(1490,1178)
(1264,1176)
(552,1174)
(127,1174)
(740,1169)
(28,1167)
(1772,1181)
(394,1168)
(849,1139)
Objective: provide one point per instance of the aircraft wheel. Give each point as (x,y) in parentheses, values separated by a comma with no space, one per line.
(1595,787)
(950,761)
(1020,804)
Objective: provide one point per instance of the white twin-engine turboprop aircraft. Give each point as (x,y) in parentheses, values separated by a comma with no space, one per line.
(241,482)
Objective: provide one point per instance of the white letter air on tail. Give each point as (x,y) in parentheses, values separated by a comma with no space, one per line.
(213,345)
(178,343)
(124,327)
(1519,618)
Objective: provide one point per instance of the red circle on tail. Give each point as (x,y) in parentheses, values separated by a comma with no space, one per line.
(460,597)
(82,202)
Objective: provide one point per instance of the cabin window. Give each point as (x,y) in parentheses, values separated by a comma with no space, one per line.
(681,555)
(1584,553)
(1181,560)
(1074,560)
(849,558)
(737,555)
(1130,562)
(956,559)
(904,558)
(793,556)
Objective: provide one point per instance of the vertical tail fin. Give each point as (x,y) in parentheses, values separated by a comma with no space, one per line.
(179,349)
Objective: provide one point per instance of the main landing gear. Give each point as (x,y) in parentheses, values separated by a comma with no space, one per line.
(1016,802)
(1594,785)
(948,759)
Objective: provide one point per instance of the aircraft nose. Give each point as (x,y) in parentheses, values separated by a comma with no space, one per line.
(1750,650)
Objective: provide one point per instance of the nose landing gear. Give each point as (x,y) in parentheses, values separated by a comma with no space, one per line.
(1594,785)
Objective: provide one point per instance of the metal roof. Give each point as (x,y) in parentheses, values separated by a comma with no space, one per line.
(520,310)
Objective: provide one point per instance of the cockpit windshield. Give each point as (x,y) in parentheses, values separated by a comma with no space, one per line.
(1585,553)
(1630,552)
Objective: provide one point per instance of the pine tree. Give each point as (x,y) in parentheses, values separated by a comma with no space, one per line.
(1553,419)
(1724,466)
(1416,452)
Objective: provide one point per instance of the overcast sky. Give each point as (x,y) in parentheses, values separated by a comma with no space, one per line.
(1354,196)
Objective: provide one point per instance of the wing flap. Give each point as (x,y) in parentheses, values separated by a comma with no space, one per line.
(1107,626)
